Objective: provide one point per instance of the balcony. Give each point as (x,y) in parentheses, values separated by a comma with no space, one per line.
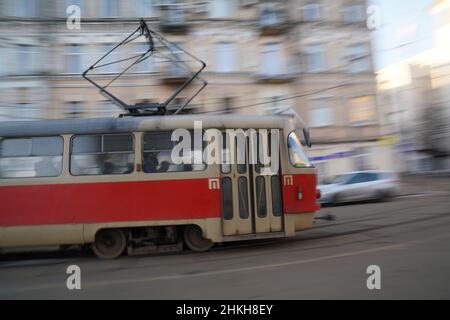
(174,18)
(272,20)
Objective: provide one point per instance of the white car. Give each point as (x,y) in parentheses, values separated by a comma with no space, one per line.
(359,186)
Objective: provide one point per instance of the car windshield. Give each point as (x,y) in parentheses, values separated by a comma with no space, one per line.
(338,179)
(297,156)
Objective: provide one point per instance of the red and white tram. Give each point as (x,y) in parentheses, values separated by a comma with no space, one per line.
(110,183)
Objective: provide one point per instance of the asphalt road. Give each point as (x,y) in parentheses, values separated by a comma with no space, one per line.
(407,237)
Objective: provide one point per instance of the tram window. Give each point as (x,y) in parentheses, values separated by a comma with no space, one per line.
(226,161)
(227,199)
(243,197)
(86,144)
(157,154)
(259,166)
(241,168)
(31,157)
(118,143)
(102,154)
(261,197)
(297,156)
(241,153)
(277,208)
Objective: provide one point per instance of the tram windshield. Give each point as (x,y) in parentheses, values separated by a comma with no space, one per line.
(297,156)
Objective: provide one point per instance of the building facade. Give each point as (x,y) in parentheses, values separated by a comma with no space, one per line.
(261,56)
(414,100)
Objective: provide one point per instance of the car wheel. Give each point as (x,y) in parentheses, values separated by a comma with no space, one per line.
(336,199)
(382,196)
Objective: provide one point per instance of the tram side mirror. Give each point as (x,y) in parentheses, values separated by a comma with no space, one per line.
(307,137)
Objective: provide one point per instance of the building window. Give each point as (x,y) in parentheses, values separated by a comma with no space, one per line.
(225,57)
(157,154)
(7,113)
(74,109)
(24,60)
(274,104)
(67,3)
(269,15)
(109,8)
(107,109)
(178,68)
(26,8)
(147,64)
(31,157)
(4,58)
(321,114)
(28,112)
(358,59)
(20,112)
(362,110)
(145,8)
(315,58)
(221,8)
(109,63)
(174,12)
(361,159)
(312,12)
(73,59)
(272,59)
(354,12)
(102,154)
(228,104)
(321,169)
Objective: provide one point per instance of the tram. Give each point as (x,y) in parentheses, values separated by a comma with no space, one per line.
(112,183)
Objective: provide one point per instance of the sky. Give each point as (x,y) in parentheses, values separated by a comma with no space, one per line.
(405,30)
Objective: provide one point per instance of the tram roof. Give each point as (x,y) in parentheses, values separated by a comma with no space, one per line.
(153,123)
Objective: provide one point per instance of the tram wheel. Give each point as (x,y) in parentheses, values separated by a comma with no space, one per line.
(109,243)
(194,239)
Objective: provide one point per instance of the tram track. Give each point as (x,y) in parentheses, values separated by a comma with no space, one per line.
(373,228)
(241,250)
(205,258)
(368,217)
(303,237)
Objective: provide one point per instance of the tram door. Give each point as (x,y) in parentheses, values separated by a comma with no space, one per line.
(251,200)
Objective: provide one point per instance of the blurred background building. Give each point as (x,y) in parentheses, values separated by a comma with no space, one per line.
(262,56)
(414,92)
